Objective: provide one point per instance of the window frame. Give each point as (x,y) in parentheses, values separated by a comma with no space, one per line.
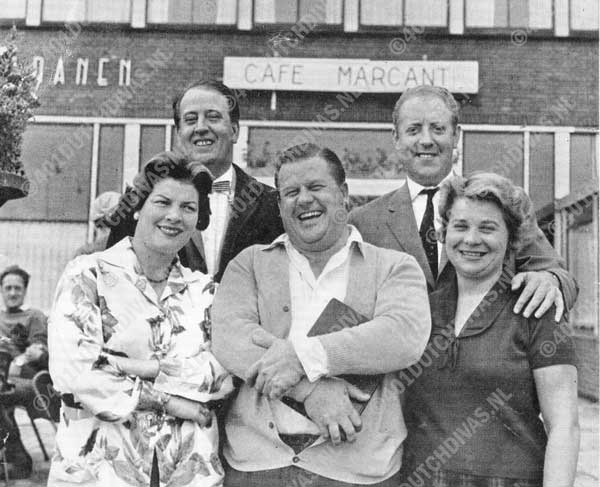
(189,26)
(586,33)
(108,25)
(508,31)
(15,20)
(402,28)
(319,27)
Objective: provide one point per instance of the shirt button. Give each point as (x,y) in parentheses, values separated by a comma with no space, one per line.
(295,459)
(286,308)
(271,425)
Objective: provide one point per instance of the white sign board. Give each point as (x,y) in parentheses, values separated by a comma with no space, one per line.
(355,75)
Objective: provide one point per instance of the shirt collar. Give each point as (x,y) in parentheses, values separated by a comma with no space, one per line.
(354,237)
(122,255)
(228,175)
(414,188)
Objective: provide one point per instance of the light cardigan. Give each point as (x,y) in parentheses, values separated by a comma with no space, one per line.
(386,286)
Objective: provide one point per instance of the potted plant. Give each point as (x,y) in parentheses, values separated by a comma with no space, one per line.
(17,100)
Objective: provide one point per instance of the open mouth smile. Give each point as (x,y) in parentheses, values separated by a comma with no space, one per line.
(309,215)
(170,231)
(203,143)
(472,253)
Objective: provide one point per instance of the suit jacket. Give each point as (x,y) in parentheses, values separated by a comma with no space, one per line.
(254,219)
(389,222)
(255,293)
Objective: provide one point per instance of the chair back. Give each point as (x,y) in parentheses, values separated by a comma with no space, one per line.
(47,400)
(5,360)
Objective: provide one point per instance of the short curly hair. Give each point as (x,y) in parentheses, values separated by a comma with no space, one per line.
(513,202)
(17,271)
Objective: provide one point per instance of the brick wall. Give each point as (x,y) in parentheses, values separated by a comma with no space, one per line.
(547,81)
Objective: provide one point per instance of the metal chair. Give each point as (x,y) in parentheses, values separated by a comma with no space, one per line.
(3,438)
(32,410)
(5,360)
(47,399)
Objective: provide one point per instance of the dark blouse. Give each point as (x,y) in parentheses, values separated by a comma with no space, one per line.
(472,405)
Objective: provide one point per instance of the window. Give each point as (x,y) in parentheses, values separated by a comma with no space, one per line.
(424,13)
(63,10)
(507,151)
(541,173)
(117,11)
(375,160)
(583,263)
(12,9)
(291,11)
(583,167)
(206,12)
(584,14)
(57,160)
(110,158)
(533,14)
(152,141)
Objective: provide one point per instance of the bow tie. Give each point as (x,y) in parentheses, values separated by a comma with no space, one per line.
(221,187)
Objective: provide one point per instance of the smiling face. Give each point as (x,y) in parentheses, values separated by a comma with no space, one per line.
(206,134)
(312,205)
(168,217)
(13,291)
(425,138)
(476,238)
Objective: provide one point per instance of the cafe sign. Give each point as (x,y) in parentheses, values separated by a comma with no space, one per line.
(356,75)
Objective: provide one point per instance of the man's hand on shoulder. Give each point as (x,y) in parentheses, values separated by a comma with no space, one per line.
(540,291)
(330,407)
(277,370)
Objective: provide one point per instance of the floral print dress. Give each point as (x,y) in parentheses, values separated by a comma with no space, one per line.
(103,305)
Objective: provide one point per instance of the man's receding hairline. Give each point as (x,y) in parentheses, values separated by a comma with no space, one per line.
(203,88)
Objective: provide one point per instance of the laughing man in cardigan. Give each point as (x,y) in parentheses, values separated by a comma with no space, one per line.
(268,300)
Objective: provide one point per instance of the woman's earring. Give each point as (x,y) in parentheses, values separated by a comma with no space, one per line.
(136,216)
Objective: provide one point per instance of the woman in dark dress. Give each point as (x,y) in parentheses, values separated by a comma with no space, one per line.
(473,408)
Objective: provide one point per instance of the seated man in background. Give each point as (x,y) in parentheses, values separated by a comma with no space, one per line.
(269,299)
(23,334)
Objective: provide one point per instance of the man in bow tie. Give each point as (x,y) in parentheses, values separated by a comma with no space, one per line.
(425,134)
(243,210)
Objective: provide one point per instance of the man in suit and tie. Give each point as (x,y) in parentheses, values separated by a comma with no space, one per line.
(243,210)
(425,135)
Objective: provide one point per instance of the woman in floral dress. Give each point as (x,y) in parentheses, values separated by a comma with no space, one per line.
(129,340)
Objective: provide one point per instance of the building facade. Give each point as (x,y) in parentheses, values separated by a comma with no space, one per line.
(524,71)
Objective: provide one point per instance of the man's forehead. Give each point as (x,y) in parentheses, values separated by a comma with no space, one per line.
(298,171)
(200,97)
(13,280)
(420,106)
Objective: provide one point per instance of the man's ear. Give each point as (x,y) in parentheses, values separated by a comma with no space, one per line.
(344,189)
(395,137)
(456,136)
(235,128)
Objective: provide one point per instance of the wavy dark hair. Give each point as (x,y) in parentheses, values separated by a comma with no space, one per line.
(165,165)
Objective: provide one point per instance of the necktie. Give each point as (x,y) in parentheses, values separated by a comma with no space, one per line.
(221,187)
(427,232)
